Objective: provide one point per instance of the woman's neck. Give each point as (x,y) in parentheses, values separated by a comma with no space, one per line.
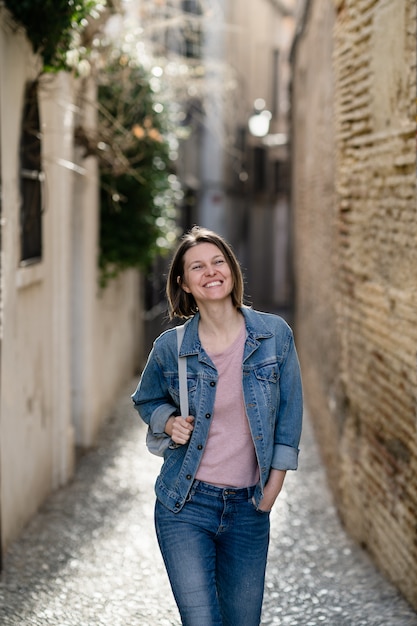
(219,326)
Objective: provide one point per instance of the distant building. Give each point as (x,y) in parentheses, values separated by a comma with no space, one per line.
(235,182)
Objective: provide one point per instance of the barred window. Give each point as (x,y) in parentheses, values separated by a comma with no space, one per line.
(192,32)
(31,177)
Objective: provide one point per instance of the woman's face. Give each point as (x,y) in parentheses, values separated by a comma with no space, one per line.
(207,275)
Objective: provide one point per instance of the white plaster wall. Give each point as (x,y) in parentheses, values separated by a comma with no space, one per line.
(26,417)
(106,330)
(57,94)
(106,327)
(118,345)
(84,237)
(67,348)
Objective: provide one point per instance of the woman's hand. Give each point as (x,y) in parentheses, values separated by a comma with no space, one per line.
(272,489)
(179,429)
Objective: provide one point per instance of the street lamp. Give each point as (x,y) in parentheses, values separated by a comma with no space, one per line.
(259,122)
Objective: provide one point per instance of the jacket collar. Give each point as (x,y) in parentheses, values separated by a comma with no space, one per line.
(255,327)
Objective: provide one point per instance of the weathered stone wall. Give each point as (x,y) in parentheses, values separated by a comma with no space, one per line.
(354,200)
(313,200)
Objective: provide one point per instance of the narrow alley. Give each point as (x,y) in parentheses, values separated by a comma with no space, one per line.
(90,558)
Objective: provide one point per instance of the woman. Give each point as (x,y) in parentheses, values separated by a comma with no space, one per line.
(225,463)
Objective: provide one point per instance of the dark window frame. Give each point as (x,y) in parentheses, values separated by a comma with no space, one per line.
(31,178)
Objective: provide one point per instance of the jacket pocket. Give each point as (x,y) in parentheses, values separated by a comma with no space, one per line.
(269,373)
(267,378)
(174,391)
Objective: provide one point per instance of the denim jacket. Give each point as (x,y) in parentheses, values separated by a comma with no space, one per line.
(272,394)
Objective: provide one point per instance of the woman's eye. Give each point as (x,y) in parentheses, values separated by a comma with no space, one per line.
(219,261)
(196,267)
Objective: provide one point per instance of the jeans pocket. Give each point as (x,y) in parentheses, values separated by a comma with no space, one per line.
(257,509)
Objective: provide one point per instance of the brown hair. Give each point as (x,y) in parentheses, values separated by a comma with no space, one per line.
(182,304)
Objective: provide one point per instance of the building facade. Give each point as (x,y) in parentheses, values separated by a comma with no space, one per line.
(66,346)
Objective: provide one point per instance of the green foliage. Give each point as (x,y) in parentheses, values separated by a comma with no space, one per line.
(138,191)
(49,25)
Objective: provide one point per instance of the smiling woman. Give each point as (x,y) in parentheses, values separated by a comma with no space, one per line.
(225,462)
(182,303)
(207,276)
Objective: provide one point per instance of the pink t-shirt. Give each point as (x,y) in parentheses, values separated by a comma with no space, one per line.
(229,458)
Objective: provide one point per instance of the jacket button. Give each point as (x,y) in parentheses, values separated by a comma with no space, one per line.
(188,477)
(212,384)
(208,415)
(177,505)
(199,447)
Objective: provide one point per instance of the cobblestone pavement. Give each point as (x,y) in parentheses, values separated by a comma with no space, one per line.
(90,558)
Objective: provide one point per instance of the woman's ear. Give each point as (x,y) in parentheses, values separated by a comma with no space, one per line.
(183,285)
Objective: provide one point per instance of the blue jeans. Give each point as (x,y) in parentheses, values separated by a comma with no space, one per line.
(215,552)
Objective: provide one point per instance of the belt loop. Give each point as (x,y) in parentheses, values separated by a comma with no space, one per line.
(192,490)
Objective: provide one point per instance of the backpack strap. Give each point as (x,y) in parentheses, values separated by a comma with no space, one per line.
(182,373)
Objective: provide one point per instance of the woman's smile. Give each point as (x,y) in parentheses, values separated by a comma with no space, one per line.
(207,275)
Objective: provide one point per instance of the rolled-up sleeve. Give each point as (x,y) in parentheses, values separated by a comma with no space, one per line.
(151,398)
(289,413)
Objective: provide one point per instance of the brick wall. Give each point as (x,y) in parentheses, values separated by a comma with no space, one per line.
(355,223)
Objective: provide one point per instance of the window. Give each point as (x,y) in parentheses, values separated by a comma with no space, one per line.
(31,177)
(191,32)
(259,170)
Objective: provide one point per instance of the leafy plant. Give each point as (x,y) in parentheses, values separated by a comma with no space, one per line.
(138,189)
(50,25)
